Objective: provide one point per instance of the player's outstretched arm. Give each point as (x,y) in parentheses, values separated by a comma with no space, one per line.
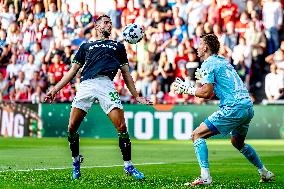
(50,96)
(131,86)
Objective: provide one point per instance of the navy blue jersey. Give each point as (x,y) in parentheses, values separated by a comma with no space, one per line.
(101,57)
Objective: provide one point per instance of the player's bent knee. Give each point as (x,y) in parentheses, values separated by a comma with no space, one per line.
(195,135)
(238,144)
(122,127)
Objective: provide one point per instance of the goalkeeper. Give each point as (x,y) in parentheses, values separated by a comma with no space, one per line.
(236,108)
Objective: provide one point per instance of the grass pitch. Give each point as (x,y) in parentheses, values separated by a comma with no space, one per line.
(46,163)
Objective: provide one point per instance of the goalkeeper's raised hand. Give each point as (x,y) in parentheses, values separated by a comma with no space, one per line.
(184,87)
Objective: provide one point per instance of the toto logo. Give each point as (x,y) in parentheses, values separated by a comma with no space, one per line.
(144,123)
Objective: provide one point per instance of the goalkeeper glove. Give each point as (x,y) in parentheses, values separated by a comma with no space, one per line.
(184,87)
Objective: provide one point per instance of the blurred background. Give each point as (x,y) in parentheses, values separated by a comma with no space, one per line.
(39,38)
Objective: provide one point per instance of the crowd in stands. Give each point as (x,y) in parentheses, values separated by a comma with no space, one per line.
(39,38)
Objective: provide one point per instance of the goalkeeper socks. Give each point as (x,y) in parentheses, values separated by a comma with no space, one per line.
(73,139)
(252,156)
(205,173)
(202,154)
(125,145)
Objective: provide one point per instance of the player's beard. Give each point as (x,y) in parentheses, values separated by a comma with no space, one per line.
(106,34)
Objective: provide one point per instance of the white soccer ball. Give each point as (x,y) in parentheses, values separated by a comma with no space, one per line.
(133,33)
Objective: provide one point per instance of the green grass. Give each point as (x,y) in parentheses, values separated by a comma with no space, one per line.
(229,168)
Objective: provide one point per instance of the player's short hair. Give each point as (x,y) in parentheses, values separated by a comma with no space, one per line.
(211,40)
(101,17)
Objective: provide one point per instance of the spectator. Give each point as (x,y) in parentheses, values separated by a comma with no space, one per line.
(13,68)
(3,38)
(79,39)
(142,18)
(170,48)
(21,88)
(67,55)
(57,69)
(180,62)
(164,9)
(156,19)
(22,55)
(198,32)
(38,13)
(243,70)
(65,14)
(7,16)
(164,73)
(257,42)
(180,31)
(38,96)
(115,16)
(52,15)
(22,18)
(46,41)
(149,7)
(13,34)
(37,81)
(242,24)
(182,7)
(38,54)
(29,31)
(58,28)
(273,84)
(277,58)
(228,12)
(161,35)
(272,19)
(197,12)
(129,14)
(29,68)
(3,86)
(86,19)
(242,52)
(53,50)
(170,22)
(208,28)
(5,57)
(71,28)
(145,71)
(213,13)
(230,38)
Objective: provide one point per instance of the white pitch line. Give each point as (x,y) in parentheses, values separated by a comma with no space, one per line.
(83,167)
(110,166)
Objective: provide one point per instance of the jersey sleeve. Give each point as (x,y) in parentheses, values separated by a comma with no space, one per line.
(80,56)
(207,73)
(122,55)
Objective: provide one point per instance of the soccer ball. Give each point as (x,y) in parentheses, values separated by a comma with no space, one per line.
(133,33)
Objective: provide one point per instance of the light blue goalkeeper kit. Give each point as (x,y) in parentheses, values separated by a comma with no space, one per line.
(235,104)
(236,108)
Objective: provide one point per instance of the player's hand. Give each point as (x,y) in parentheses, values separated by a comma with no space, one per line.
(198,74)
(50,96)
(183,87)
(143,100)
